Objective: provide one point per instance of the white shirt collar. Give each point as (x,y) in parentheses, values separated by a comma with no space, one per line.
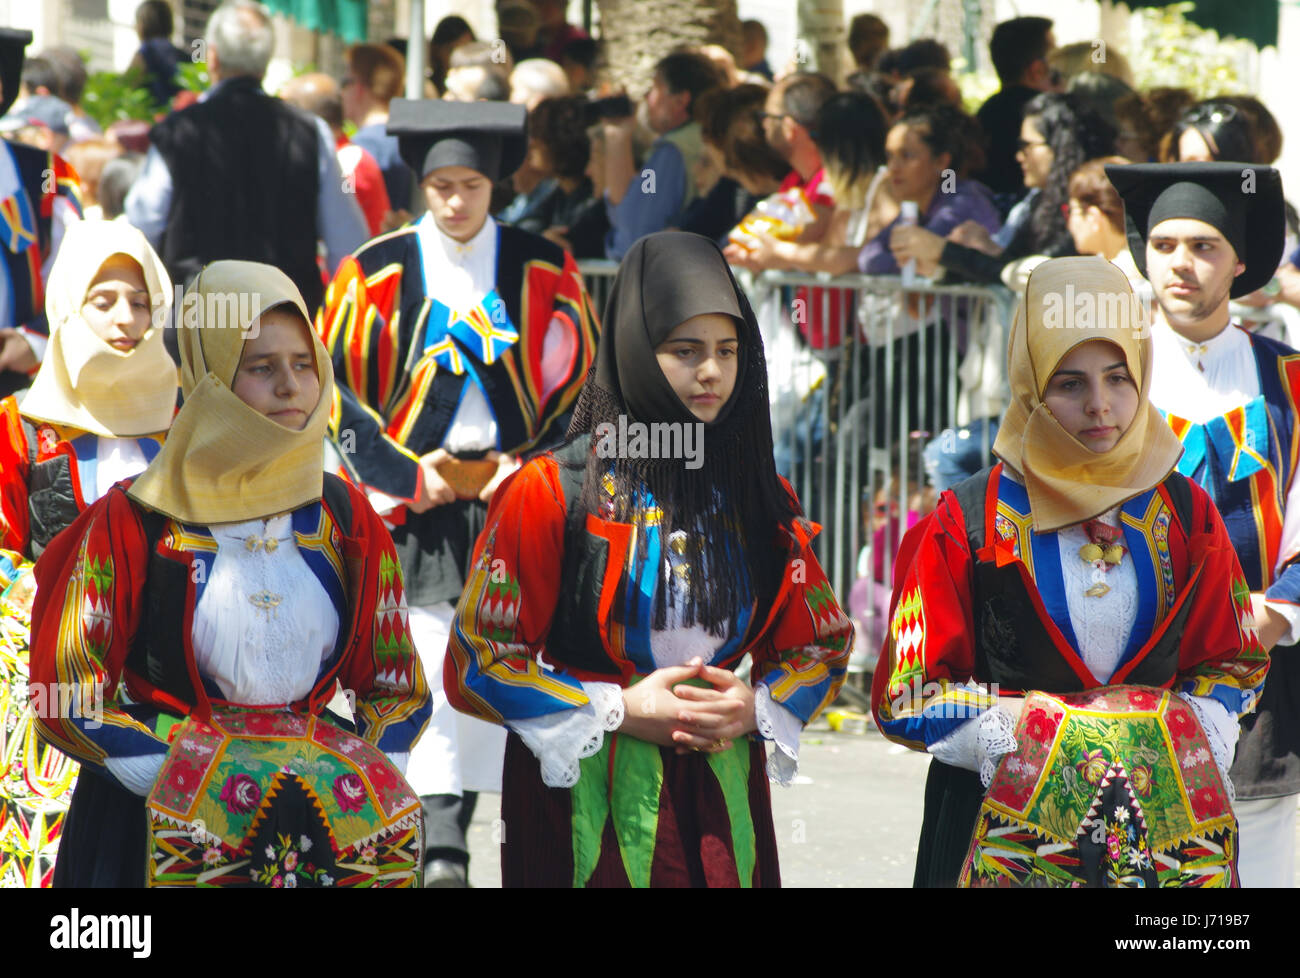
(453,251)
(1199,381)
(1229,343)
(457,275)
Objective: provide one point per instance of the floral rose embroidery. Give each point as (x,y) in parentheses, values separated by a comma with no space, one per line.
(1208,798)
(241,794)
(260,723)
(382,776)
(349,792)
(1040,726)
(290,861)
(1180,723)
(1142,700)
(176,778)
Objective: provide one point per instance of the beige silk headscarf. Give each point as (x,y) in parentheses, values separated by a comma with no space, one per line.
(84,382)
(1069,301)
(223,461)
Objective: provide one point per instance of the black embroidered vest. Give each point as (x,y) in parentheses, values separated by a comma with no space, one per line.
(51,501)
(1013,645)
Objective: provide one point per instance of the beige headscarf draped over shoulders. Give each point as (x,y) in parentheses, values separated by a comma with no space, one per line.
(1069,301)
(84,382)
(225,462)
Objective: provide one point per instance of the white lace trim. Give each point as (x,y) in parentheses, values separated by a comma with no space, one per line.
(1101,624)
(979,743)
(1221,730)
(996,736)
(560,740)
(782,728)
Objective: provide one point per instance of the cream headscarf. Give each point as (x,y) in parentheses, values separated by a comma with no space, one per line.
(1069,301)
(223,461)
(83,381)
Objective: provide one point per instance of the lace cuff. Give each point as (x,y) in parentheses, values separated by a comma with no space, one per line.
(560,740)
(978,744)
(997,736)
(136,774)
(782,728)
(1221,730)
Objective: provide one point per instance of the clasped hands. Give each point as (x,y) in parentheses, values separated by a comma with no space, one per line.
(437,492)
(662,709)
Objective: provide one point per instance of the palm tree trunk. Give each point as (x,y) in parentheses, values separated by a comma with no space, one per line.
(637,33)
(821,37)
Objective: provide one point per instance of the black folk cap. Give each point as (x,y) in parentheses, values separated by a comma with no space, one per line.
(12,45)
(1243,201)
(489,137)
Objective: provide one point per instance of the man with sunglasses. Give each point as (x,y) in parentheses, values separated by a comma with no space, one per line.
(1202,234)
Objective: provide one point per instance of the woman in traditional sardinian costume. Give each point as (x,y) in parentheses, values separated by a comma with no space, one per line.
(612,596)
(207,613)
(1071,635)
(96,413)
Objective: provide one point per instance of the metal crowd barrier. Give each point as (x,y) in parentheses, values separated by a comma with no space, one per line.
(863,375)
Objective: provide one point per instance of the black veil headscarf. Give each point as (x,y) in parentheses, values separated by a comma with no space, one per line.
(665,279)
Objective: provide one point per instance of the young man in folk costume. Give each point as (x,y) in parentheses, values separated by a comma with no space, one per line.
(459,345)
(1203,233)
(39,197)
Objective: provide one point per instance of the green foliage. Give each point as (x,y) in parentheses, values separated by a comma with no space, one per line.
(976,87)
(1173,51)
(193,76)
(112,96)
(1167,49)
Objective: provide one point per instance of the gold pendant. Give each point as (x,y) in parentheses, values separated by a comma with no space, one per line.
(1097,590)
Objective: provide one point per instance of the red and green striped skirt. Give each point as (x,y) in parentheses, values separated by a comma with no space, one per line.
(640,815)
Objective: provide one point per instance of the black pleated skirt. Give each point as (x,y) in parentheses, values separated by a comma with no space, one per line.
(952,804)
